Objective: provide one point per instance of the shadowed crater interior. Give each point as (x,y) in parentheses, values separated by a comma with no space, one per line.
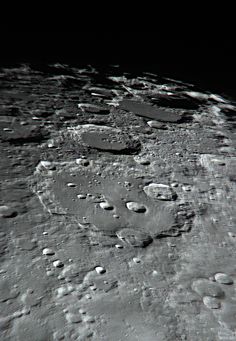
(179,102)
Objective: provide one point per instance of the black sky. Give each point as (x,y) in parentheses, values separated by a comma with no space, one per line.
(202,59)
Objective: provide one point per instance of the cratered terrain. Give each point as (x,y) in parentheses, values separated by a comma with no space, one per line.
(117,210)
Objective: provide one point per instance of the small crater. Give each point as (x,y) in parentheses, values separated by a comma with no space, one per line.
(223,278)
(134,237)
(7,212)
(58,264)
(136,207)
(211,302)
(160,192)
(204,287)
(100,270)
(106,206)
(48,252)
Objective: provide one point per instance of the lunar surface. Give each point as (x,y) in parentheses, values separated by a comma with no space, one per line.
(117,212)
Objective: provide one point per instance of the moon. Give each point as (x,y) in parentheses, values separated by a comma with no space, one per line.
(117,213)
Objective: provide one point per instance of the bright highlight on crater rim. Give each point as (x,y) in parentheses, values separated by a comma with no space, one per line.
(117,212)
